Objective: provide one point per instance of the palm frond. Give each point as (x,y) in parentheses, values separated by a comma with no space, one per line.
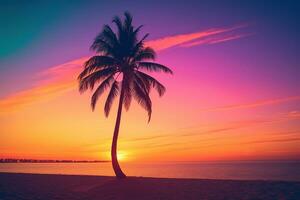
(149,80)
(154,67)
(145,54)
(128,21)
(100,60)
(143,39)
(138,29)
(142,98)
(117,20)
(96,63)
(99,91)
(101,46)
(114,91)
(144,83)
(127,93)
(90,80)
(139,45)
(109,36)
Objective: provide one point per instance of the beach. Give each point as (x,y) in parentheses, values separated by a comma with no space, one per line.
(61,187)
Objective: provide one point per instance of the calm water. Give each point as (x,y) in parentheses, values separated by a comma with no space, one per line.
(258,170)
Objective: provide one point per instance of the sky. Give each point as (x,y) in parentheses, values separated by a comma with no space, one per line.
(234,94)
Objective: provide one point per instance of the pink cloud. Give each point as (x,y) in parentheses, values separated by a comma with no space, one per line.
(171,41)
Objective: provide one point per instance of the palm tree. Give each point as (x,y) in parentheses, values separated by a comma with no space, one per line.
(120,64)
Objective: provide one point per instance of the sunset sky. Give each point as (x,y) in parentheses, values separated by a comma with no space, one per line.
(234,94)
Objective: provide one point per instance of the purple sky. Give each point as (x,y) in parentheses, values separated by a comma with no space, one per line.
(269,56)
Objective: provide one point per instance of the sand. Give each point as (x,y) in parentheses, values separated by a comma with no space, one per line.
(64,187)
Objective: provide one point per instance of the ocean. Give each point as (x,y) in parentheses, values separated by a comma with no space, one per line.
(235,170)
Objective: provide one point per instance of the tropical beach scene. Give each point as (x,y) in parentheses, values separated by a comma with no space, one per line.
(149,100)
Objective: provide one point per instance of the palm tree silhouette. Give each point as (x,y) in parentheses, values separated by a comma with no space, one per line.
(120,58)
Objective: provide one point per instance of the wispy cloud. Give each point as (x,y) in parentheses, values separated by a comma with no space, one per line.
(275,137)
(200,138)
(147,138)
(253,104)
(212,35)
(293,139)
(216,39)
(57,79)
(227,128)
(294,114)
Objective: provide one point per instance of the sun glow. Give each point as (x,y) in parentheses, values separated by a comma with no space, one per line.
(122,156)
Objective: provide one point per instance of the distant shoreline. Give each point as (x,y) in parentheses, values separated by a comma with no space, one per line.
(8,160)
(13,160)
(45,186)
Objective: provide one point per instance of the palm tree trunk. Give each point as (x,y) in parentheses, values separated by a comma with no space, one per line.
(114,158)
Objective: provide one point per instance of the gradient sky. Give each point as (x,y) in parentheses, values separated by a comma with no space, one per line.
(234,94)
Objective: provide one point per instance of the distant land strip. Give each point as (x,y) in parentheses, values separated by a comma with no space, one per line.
(12,160)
